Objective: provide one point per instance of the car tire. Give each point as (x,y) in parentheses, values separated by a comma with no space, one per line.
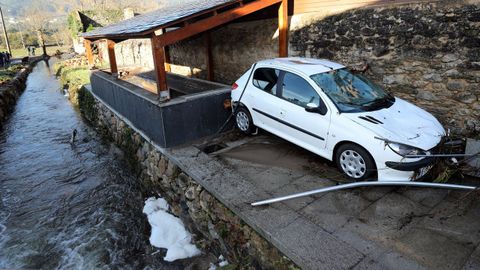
(243,121)
(355,162)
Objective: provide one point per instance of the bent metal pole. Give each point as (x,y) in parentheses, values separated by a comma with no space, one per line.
(364,184)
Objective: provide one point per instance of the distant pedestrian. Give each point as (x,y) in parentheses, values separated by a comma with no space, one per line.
(33,51)
(2,59)
(7,58)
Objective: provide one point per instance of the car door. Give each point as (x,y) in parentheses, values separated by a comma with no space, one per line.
(264,98)
(306,129)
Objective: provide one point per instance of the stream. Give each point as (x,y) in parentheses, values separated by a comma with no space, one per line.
(63,205)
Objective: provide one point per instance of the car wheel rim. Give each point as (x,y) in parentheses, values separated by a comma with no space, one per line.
(353,164)
(242,121)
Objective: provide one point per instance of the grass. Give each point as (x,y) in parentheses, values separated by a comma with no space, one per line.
(76,76)
(19,53)
(8,73)
(72,77)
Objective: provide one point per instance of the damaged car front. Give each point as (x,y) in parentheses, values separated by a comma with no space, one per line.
(399,135)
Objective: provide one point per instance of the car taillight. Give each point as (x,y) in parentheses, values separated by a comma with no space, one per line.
(234,86)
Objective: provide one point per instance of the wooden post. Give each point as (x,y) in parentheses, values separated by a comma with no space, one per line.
(168,61)
(7,42)
(208,48)
(111,57)
(158,52)
(283,29)
(88,52)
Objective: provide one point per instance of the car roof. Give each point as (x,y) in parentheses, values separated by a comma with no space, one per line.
(309,66)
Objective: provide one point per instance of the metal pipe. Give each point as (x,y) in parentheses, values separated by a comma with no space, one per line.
(441,155)
(364,184)
(234,109)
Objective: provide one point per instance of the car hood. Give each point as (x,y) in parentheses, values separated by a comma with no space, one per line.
(402,122)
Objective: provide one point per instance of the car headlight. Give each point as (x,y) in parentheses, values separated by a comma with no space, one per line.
(406,150)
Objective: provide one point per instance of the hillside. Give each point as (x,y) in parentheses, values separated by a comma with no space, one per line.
(17,8)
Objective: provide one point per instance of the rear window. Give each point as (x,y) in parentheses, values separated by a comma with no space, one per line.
(266,79)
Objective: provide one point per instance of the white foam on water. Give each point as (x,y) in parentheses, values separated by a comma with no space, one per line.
(168,231)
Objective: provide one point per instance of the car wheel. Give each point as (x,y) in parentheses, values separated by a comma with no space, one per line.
(355,162)
(243,120)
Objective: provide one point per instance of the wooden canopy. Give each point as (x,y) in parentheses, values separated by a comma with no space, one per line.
(175,23)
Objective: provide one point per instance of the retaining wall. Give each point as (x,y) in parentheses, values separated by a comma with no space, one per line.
(215,227)
(10,92)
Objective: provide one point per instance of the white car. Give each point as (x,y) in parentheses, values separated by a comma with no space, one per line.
(338,114)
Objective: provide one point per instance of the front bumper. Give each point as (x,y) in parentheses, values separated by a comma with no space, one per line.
(410,166)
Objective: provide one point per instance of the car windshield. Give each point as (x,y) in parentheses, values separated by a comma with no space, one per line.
(352,92)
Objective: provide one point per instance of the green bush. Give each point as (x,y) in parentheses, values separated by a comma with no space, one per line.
(74,24)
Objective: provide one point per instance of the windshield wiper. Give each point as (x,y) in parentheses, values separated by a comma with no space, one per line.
(356,105)
(379,103)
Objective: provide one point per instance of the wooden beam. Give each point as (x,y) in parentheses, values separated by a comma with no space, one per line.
(88,52)
(158,52)
(283,29)
(209,55)
(111,57)
(195,28)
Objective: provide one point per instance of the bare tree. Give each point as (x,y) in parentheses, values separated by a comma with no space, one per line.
(37,21)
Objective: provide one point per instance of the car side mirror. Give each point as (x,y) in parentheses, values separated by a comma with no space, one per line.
(313,108)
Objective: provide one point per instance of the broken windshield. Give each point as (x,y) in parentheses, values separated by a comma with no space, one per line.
(352,92)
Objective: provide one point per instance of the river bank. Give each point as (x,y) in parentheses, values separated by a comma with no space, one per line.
(72,73)
(69,205)
(215,228)
(12,84)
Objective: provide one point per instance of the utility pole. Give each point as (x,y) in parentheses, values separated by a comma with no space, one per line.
(22,40)
(5,31)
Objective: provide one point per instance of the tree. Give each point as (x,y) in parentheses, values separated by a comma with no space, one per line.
(38,20)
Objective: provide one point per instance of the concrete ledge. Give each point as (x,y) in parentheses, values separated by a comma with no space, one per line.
(168,124)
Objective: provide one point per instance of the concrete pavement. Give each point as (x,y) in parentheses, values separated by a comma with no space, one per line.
(368,228)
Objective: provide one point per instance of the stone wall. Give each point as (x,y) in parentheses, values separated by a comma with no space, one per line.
(10,92)
(428,54)
(135,52)
(216,229)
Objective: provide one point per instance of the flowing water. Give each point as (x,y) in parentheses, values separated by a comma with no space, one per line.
(65,206)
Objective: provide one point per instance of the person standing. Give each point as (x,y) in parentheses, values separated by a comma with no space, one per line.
(2,59)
